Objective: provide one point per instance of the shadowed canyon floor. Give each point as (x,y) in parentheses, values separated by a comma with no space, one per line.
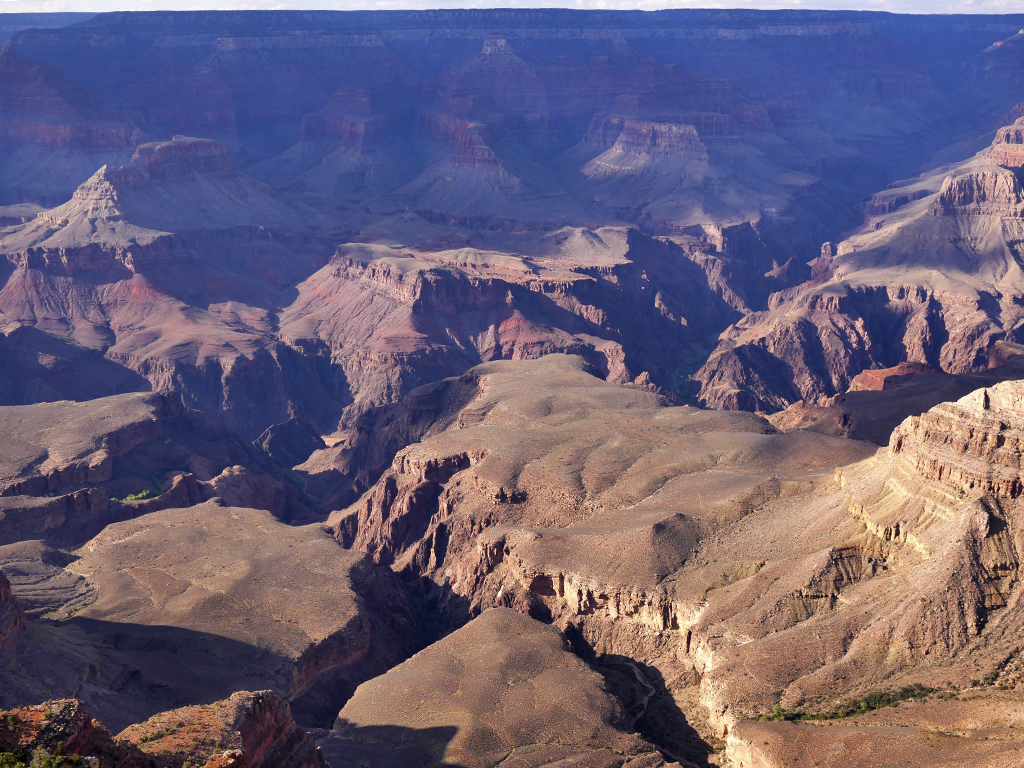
(511,389)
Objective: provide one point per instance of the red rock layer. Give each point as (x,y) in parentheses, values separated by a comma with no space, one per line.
(66,726)
(885,378)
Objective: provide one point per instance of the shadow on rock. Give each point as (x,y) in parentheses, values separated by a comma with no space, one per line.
(387,746)
(652,707)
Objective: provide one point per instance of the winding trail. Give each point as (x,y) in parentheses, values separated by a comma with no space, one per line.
(647,698)
(640,678)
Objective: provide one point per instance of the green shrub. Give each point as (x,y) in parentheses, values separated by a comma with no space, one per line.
(137,496)
(854,707)
(12,760)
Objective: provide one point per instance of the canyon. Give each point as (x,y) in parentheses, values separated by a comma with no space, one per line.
(506,388)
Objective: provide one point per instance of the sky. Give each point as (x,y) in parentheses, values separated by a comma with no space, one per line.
(895,6)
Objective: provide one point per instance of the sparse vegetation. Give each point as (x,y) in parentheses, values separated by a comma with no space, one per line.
(157,734)
(40,759)
(854,707)
(137,496)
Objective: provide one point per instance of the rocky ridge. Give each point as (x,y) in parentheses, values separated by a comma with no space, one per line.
(248,730)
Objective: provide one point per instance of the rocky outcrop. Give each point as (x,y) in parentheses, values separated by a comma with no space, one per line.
(980,192)
(248,730)
(65,727)
(879,379)
(502,686)
(974,446)
(12,618)
(1008,146)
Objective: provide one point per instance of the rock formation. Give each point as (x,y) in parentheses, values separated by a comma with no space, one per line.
(12,618)
(247,730)
(353,358)
(63,727)
(504,687)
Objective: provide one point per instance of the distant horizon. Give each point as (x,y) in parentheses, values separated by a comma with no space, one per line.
(917,7)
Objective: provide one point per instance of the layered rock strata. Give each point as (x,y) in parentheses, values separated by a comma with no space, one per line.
(931,279)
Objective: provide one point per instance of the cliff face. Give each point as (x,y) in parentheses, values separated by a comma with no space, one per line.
(12,618)
(1008,145)
(248,730)
(973,446)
